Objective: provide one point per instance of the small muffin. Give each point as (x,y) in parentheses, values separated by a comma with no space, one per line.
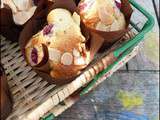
(103,15)
(14,14)
(62,43)
(22,10)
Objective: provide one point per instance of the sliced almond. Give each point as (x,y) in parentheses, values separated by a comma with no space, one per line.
(67,58)
(76,18)
(54,54)
(79,61)
(106,5)
(105,16)
(76,53)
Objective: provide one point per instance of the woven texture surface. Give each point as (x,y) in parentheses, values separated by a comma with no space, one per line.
(34,97)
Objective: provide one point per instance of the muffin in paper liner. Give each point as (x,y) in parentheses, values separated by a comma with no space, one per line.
(37,23)
(14,14)
(111,37)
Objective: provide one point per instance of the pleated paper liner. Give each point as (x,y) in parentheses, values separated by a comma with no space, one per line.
(38,21)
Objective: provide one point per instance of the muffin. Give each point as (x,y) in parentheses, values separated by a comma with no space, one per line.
(6,102)
(60,46)
(103,15)
(22,10)
(13,16)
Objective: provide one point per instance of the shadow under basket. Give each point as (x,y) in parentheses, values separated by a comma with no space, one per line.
(34,98)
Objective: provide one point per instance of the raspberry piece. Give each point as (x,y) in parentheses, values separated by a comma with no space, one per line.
(47,29)
(34,55)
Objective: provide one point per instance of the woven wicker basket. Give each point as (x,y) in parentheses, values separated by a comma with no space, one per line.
(33,97)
